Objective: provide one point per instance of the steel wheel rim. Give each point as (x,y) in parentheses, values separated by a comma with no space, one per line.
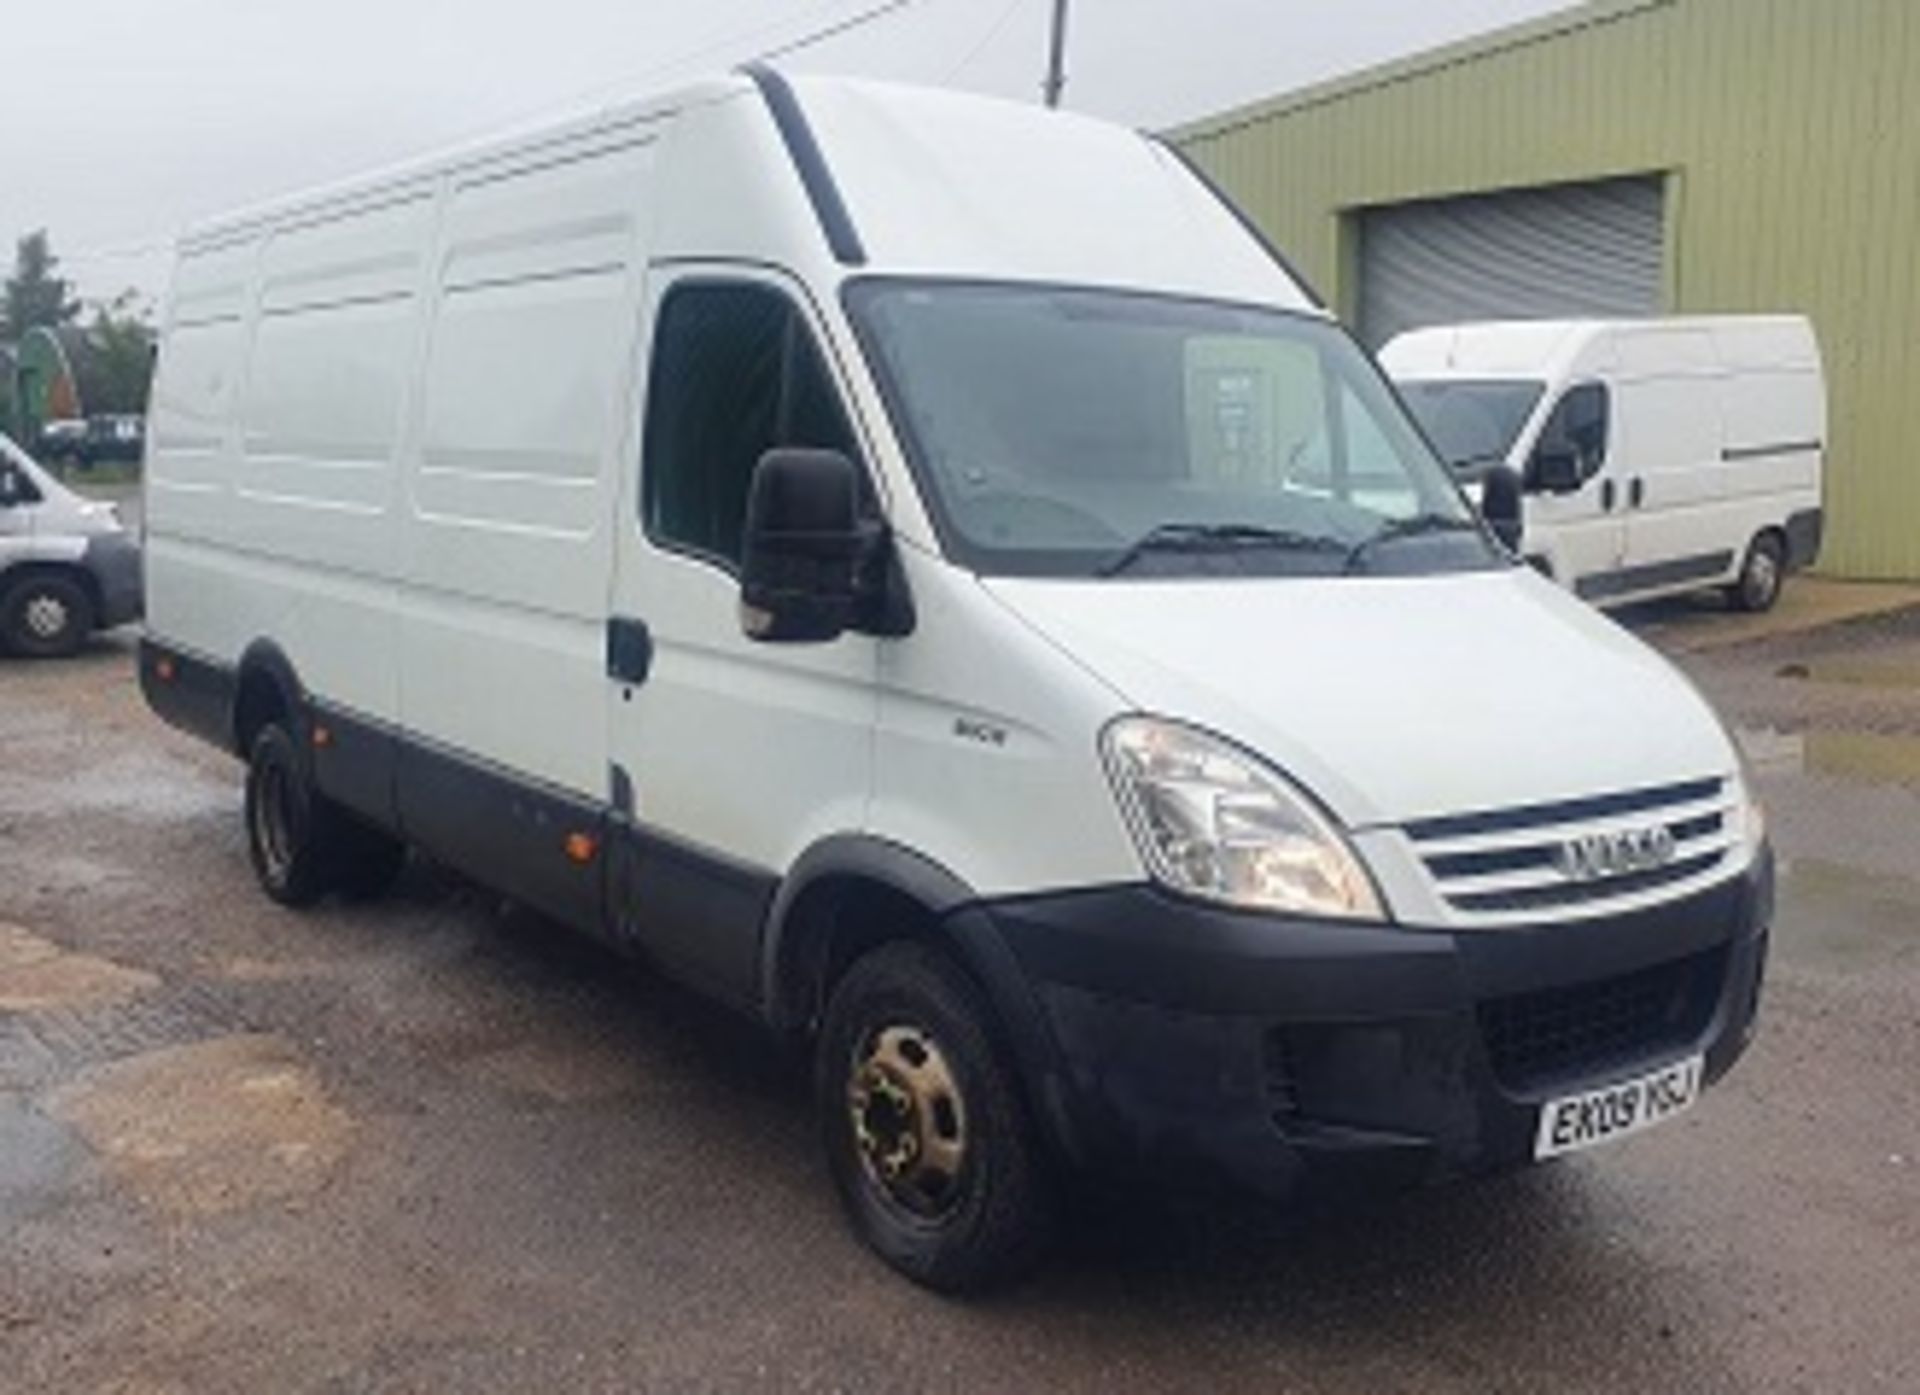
(273,822)
(908,1119)
(46,616)
(1762,575)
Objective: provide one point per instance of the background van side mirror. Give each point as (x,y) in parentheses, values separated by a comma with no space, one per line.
(803,547)
(1501,494)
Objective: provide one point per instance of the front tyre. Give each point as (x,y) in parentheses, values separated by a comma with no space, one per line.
(1761,575)
(45,616)
(925,1130)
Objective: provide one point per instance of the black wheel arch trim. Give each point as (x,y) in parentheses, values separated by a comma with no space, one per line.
(264,656)
(962,925)
(856,857)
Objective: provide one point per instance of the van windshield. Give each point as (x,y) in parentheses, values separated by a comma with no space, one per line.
(1084,432)
(1472,423)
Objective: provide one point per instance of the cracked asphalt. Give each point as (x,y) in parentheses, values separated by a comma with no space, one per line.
(435,1143)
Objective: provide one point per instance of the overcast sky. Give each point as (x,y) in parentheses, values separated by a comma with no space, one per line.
(122,119)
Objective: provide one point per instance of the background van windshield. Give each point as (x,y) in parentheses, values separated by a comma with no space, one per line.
(1053,430)
(1473,424)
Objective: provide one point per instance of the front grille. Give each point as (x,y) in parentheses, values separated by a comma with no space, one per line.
(1585,1028)
(1501,865)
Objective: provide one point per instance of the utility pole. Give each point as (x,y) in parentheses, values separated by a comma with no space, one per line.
(1057,58)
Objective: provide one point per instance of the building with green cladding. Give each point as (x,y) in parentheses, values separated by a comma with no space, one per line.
(1632,157)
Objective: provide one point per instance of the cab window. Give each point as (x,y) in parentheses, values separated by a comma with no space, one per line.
(736,373)
(15,487)
(1579,427)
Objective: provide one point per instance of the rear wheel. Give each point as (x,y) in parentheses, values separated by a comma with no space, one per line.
(1761,575)
(926,1134)
(46,615)
(301,843)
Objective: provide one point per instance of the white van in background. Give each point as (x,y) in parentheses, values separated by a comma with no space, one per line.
(67,565)
(1656,456)
(920,570)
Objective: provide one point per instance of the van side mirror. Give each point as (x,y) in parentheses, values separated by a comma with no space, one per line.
(1556,471)
(802,548)
(1501,495)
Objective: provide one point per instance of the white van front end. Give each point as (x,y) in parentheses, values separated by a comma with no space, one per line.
(1415,859)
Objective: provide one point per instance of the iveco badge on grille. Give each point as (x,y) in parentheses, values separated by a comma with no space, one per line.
(1595,855)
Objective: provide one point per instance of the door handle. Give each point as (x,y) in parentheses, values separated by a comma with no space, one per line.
(1637,491)
(629,649)
(1606,495)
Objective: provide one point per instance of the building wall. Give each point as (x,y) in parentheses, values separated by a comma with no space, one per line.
(1789,131)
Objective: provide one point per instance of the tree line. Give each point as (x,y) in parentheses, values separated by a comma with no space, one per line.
(113,342)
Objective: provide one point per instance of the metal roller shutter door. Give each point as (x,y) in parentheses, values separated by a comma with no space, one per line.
(1557,252)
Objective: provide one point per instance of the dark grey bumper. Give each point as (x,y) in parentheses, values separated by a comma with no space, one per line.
(113,560)
(1288,1056)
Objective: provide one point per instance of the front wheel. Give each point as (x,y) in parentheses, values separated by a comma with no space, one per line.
(46,616)
(1761,575)
(926,1133)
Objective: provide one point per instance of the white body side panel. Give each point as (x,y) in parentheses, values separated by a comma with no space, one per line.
(398,427)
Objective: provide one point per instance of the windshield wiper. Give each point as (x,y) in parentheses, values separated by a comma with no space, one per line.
(1419,525)
(1218,537)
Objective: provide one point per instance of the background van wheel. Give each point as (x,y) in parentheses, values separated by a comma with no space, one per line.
(1761,575)
(292,832)
(926,1133)
(45,616)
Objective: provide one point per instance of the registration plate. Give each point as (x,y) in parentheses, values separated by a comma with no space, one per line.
(1613,1111)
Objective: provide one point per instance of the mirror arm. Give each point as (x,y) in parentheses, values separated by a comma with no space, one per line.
(883,602)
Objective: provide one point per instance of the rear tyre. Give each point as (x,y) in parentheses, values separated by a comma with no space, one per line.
(1761,575)
(926,1133)
(46,616)
(292,833)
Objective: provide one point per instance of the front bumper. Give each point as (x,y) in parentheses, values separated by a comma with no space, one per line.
(113,559)
(1202,1045)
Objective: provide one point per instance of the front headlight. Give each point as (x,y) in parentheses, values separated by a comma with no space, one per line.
(1752,817)
(1213,821)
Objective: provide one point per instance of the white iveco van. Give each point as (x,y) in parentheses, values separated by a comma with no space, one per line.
(67,566)
(921,570)
(1657,456)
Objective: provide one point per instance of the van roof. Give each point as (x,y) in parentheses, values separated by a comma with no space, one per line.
(1547,348)
(934,182)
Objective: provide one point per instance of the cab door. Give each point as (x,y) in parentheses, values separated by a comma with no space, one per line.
(729,756)
(1575,509)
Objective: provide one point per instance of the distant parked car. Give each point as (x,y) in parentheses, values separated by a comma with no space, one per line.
(67,566)
(64,439)
(115,437)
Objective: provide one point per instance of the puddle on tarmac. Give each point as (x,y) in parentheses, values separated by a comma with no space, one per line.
(36,975)
(1844,918)
(35,1153)
(1859,672)
(1872,756)
(215,1126)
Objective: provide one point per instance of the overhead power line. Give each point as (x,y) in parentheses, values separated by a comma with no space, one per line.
(993,32)
(832,31)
